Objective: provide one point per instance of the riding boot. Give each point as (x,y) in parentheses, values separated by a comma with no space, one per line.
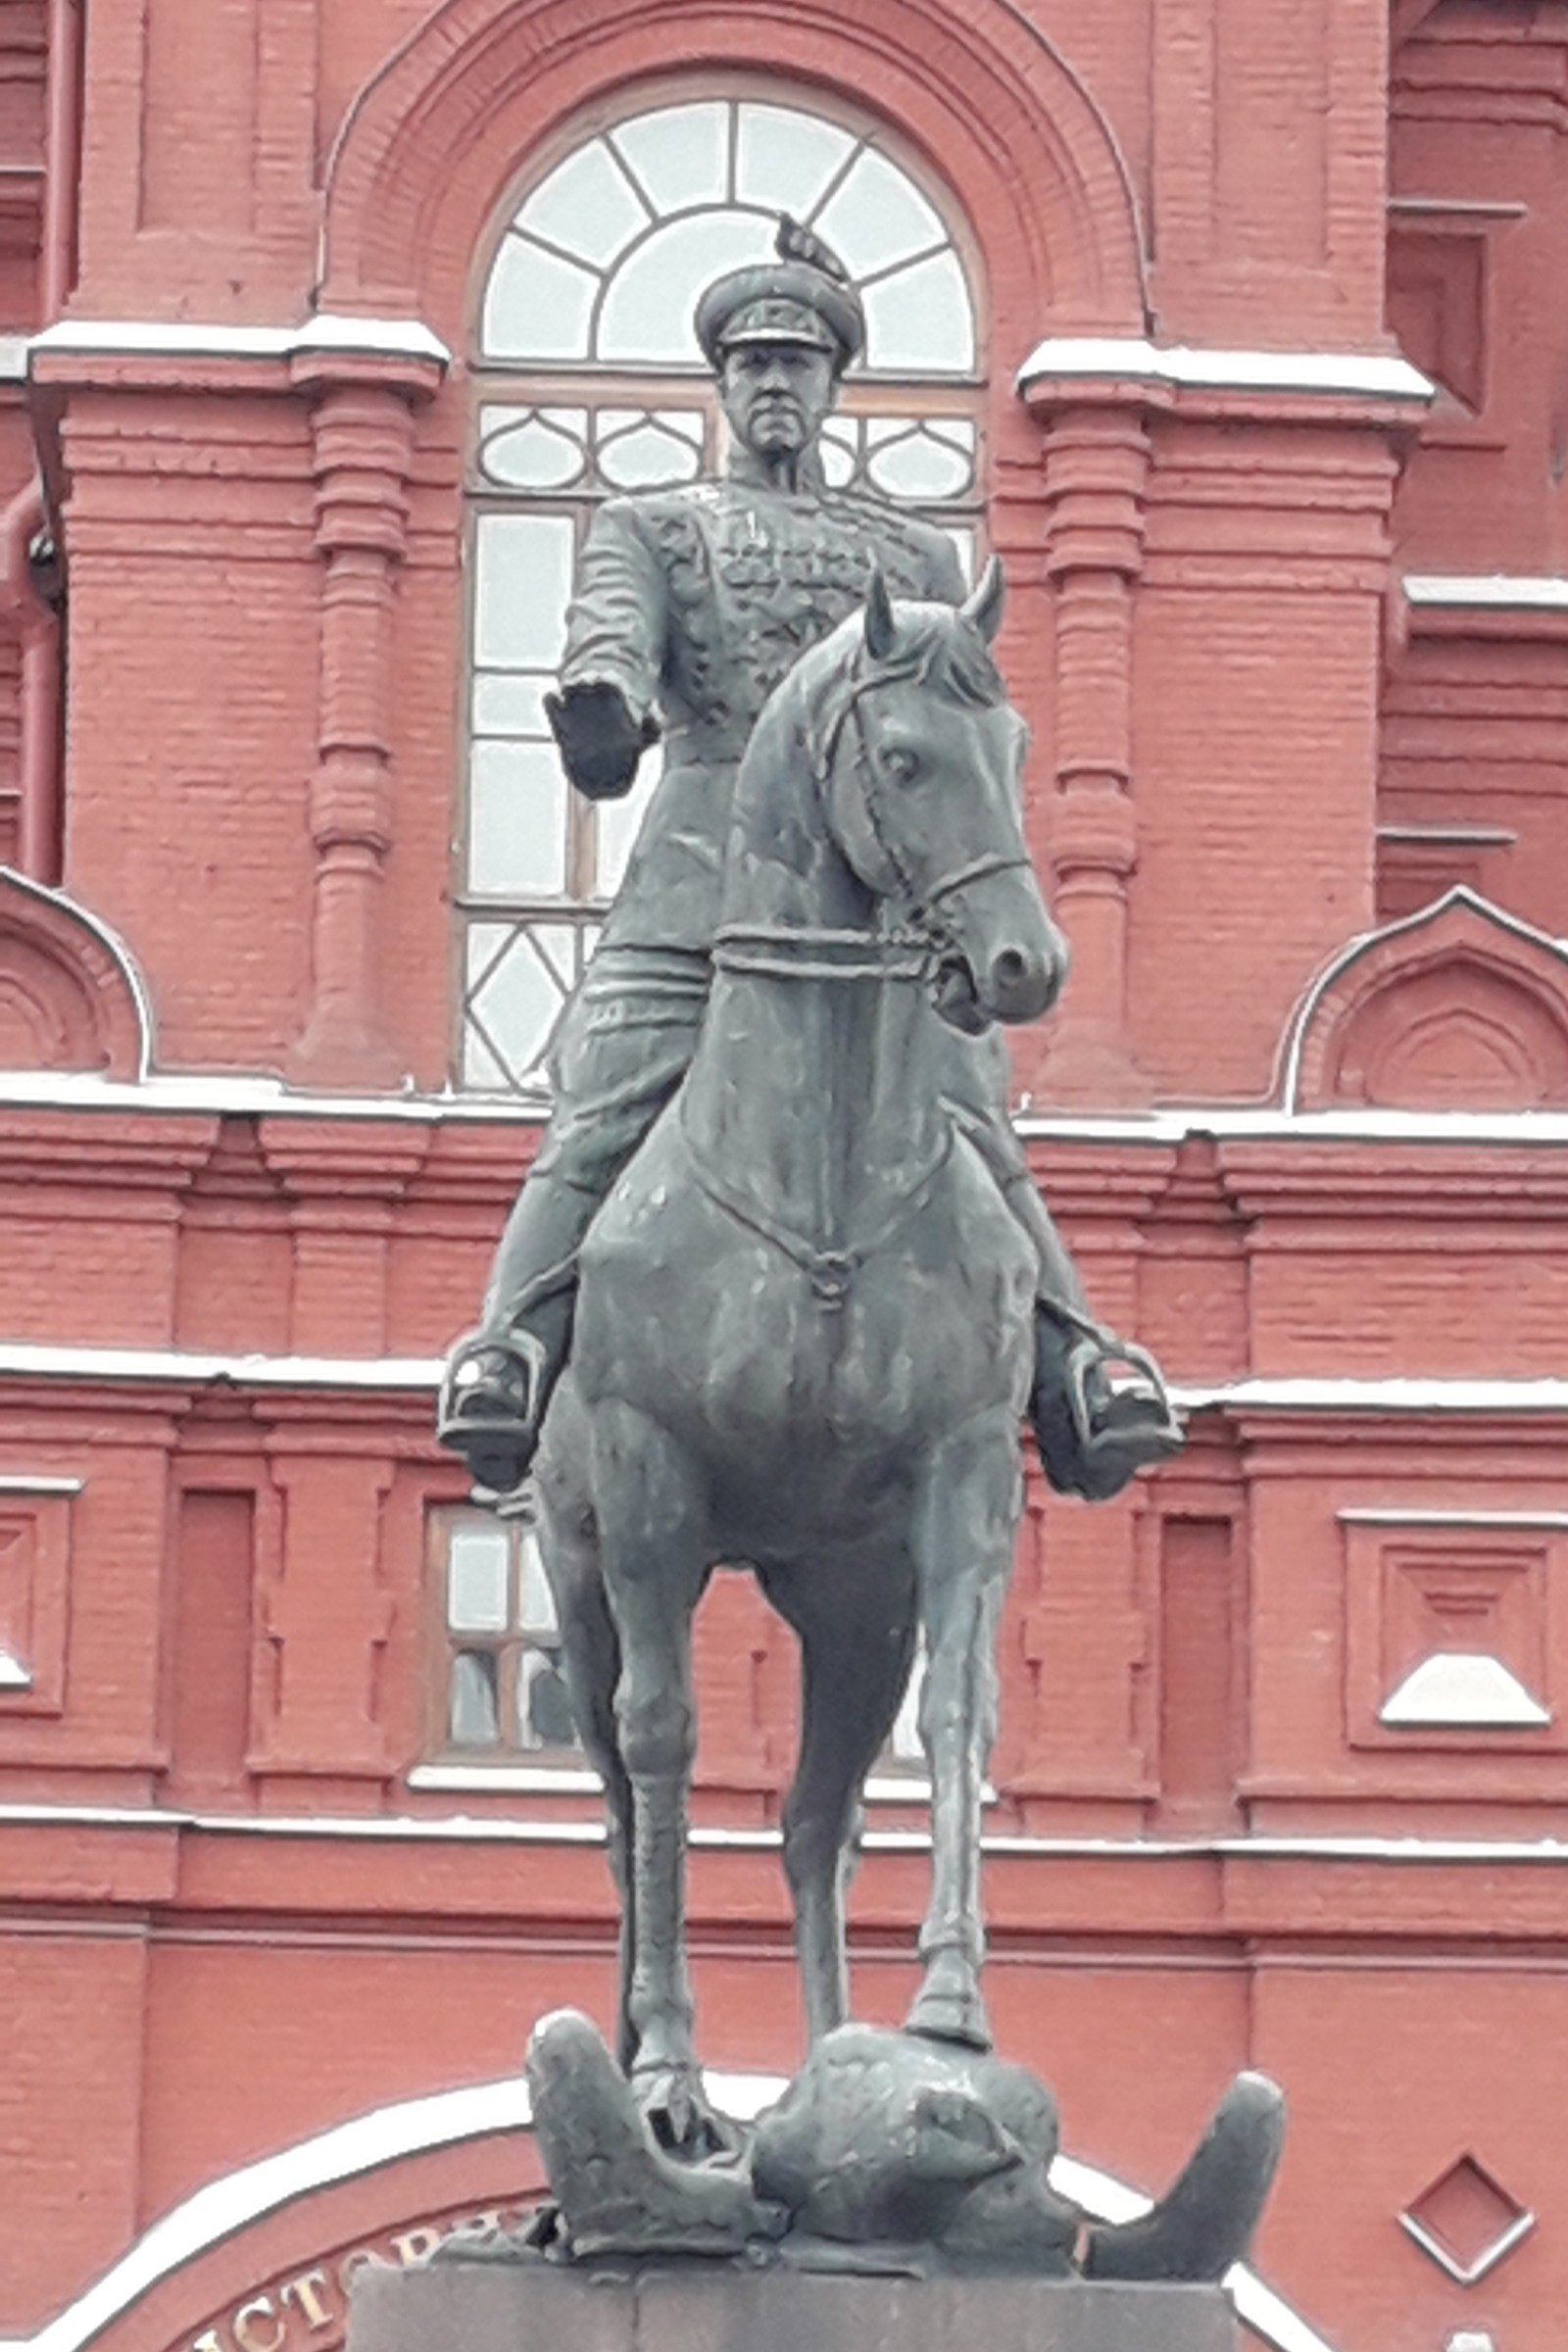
(1099,1405)
(498,1379)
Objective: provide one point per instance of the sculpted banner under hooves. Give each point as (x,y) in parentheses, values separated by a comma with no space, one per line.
(777,1295)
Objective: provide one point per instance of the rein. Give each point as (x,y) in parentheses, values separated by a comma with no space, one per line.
(790,952)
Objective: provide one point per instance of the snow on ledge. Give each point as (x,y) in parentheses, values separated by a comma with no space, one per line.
(328,330)
(244,1094)
(248,1093)
(24,1359)
(1378,375)
(1397,1394)
(1463,1688)
(1518,591)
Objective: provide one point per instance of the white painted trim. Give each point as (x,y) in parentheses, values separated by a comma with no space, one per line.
(1463,1688)
(27,1359)
(1412,1393)
(1473,207)
(467,1829)
(507,1780)
(24,1359)
(1378,375)
(1461,895)
(13,1675)
(217,1094)
(1483,837)
(1239,1122)
(367,2142)
(1417,1515)
(544,1780)
(23,1482)
(117,950)
(326,331)
(199,1093)
(1495,590)
(1397,1394)
(1468,2273)
(12,359)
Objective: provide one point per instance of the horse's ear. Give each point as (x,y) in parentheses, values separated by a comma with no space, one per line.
(984,607)
(879,623)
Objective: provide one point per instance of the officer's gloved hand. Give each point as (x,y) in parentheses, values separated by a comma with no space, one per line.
(600,740)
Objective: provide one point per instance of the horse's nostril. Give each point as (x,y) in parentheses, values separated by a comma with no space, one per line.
(1010,969)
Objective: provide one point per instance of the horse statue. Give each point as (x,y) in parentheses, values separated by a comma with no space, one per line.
(803,1331)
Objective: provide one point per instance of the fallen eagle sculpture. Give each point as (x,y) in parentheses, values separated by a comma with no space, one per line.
(890,2152)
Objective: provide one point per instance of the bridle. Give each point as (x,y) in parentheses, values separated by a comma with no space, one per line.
(913,949)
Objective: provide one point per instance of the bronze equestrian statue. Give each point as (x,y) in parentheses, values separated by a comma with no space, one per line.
(775,1297)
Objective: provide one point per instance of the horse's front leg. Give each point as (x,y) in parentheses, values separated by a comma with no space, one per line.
(854,1613)
(963,1544)
(653,1557)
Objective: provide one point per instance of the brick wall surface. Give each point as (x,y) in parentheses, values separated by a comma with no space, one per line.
(228,1917)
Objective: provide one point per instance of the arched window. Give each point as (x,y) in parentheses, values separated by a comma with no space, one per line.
(588,382)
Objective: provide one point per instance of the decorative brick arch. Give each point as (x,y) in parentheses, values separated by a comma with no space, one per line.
(429,145)
(1458,1007)
(70,998)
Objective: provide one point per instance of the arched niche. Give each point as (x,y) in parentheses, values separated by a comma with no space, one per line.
(429,146)
(70,998)
(1457,1007)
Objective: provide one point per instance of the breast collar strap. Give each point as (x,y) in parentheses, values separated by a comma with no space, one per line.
(831,1272)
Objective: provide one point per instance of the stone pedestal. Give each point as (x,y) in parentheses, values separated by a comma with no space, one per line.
(709,2307)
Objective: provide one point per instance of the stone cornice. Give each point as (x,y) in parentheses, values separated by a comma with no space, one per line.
(1376,388)
(326,333)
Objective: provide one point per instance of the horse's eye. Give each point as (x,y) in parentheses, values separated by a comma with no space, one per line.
(899,762)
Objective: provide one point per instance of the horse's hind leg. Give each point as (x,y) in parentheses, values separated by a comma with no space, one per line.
(653,1549)
(963,1541)
(856,1631)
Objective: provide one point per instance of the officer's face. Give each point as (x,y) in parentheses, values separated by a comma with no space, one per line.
(776,395)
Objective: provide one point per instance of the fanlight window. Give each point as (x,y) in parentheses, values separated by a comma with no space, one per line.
(588,384)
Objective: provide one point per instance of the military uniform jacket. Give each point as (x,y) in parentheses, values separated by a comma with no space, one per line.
(696,603)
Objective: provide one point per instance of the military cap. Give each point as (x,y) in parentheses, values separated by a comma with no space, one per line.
(805,296)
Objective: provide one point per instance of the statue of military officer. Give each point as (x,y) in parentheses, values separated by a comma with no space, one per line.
(691,606)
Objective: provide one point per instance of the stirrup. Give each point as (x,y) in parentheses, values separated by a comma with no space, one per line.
(491,1403)
(1121,1416)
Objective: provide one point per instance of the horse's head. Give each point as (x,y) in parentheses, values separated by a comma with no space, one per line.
(920,769)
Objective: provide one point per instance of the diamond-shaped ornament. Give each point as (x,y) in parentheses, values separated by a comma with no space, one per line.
(1466,2221)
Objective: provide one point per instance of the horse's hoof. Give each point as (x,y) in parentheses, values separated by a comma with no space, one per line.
(942,2016)
(674,2106)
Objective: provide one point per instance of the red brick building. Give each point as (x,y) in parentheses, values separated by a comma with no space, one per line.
(1234,327)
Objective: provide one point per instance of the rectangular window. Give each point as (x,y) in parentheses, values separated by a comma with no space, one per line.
(498,1695)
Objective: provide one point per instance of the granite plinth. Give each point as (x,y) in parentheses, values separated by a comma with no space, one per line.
(709,2307)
